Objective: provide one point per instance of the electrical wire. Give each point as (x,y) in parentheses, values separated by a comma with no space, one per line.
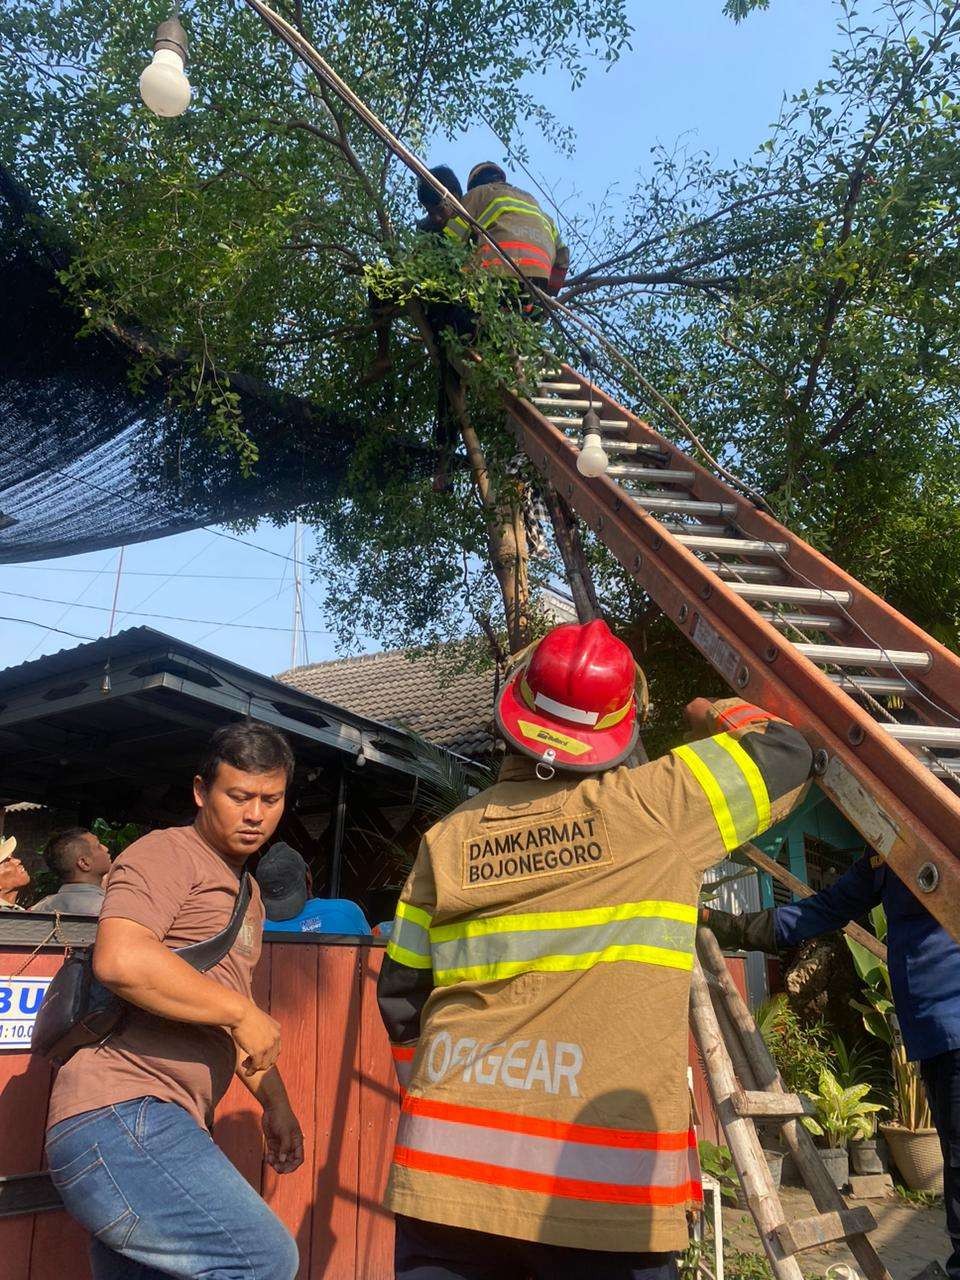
(165,617)
(88,587)
(32,622)
(144,573)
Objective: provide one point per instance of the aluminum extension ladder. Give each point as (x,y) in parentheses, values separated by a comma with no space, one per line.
(787,628)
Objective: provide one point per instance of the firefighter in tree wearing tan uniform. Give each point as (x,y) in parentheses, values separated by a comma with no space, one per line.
(516,223)
(536,982)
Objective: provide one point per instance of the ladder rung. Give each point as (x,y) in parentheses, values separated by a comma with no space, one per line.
(806,621)
(682,505)
(738,546)
(796,595)
(561,402)
(654,474)
(624,447)
(702,530)
(606,424)
(759,1104)
(922,735)
(870,684)
(746,572)
(824,1228)
(840,656)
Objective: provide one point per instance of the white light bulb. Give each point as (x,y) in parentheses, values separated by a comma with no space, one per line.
(163,86)
(592,460)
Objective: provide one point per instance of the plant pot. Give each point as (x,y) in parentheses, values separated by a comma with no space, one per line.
(864,1156)
(836,1161)
(916,1153)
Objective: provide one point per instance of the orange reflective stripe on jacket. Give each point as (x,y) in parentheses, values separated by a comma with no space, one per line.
(521,252)
(403,1055)
(548,1157)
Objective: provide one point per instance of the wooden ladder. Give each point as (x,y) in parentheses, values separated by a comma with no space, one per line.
(746,1086)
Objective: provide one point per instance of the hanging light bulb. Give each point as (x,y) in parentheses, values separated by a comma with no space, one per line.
(164,87)
(592,460)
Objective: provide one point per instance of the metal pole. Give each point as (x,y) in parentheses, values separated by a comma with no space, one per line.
(297,592)
(116,592)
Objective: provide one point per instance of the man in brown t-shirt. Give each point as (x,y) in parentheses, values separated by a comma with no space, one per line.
(128,1142)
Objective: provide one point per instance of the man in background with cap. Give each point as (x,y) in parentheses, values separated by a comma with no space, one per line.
(285,883)
(14,876)
(536,982)
(518,226)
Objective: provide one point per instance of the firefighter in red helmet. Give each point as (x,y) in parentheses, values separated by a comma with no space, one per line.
(536,981)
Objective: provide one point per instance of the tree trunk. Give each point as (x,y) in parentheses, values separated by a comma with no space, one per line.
(566,530)
(506,535)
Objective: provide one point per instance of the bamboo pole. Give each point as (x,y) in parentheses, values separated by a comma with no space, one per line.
(819,1183)
(751,1165)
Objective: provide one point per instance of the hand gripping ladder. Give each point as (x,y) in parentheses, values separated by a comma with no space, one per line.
(781,623)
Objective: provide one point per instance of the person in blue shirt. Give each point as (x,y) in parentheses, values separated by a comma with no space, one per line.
(284,880)
(924,966)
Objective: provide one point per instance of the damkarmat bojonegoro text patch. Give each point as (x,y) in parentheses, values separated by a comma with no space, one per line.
(543,849)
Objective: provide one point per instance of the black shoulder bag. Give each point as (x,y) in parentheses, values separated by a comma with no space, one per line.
(79,1011)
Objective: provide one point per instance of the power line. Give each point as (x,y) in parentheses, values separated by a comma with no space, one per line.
(144,573)
(32,622)
(92,583)
(165,617)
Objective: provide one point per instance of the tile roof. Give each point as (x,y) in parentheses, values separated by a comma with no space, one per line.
(411,692)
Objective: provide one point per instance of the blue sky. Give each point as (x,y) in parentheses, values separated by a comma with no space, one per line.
(691,73)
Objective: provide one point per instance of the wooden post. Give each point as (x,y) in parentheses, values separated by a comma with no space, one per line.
(799,1143)
(740,1133)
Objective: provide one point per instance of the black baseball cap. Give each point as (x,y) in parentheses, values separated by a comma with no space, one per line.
(282,877)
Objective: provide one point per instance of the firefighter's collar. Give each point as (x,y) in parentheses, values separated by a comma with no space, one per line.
(515,768)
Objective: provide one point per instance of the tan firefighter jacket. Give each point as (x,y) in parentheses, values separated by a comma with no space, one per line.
(536,983)
(517,224)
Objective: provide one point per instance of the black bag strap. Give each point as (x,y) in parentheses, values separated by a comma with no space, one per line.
(204,955)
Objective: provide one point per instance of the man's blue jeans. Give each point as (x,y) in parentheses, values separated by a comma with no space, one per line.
(160,1199)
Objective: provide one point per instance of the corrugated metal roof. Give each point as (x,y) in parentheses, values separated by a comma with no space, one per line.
(410,691)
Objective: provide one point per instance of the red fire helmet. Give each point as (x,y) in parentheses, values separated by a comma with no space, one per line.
(573,704)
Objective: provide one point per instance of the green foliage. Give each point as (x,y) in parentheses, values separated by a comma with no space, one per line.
(718,1162)
(241,239)
(799,1050)
(863,1062)
(740,1265)
(842,1113)
(879,1018)
(800,306)
(116,835)
(739,9)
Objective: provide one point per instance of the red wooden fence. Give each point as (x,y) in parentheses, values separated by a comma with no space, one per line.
(338,1071)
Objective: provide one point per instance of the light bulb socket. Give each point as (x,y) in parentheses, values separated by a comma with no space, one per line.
(171,35)
(591,423)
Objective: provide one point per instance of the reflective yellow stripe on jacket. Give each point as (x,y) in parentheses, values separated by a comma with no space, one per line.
(486,950)
(410,941)
(510,204)
(733,785)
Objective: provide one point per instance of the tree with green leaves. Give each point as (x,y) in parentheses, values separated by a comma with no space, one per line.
(801,308)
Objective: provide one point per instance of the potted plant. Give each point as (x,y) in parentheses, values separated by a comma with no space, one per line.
(864,1062)
(912,1139)
(842,1114)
